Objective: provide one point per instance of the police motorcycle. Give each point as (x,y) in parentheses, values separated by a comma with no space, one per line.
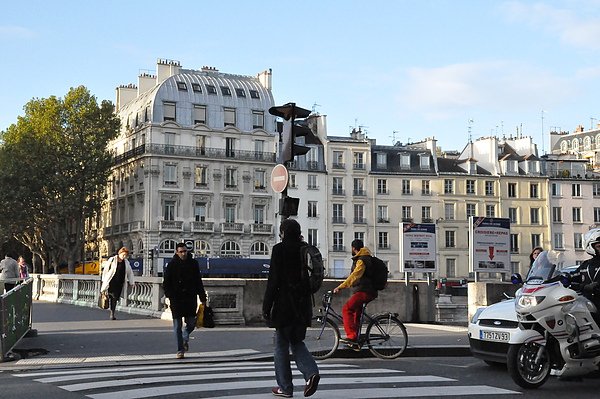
(557,332)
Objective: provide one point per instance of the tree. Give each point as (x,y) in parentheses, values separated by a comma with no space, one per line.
(54,164)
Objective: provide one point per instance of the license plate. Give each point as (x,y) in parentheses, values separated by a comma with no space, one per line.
(494,336)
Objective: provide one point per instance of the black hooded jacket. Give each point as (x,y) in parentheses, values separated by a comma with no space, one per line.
(182,283)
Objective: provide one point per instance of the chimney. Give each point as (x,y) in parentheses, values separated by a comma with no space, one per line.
(125,95)
(146,82)
(265,79)
(165,69)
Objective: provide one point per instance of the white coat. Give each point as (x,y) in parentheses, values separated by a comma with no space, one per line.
(109,270)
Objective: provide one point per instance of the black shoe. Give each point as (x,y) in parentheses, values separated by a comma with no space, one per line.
(278,392)
(311,385)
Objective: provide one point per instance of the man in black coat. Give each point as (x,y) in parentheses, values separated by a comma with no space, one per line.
(287,307)
(182,283)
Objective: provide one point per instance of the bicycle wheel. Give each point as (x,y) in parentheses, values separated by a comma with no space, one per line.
(322,337)
(386,337)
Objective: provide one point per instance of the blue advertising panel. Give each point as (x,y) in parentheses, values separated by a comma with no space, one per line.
(230,267)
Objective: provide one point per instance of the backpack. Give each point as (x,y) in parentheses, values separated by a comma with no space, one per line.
(312,267)
(378,273)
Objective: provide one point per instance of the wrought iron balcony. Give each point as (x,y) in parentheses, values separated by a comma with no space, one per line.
(338,220)
(338,248)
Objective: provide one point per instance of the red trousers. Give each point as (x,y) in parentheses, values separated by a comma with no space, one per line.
(352,311)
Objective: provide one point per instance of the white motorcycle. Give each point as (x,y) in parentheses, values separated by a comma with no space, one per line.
(557,331)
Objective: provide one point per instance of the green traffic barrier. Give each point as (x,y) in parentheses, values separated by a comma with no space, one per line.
(15,316)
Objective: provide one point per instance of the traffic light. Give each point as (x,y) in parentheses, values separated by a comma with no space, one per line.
(292,128)
(288,206)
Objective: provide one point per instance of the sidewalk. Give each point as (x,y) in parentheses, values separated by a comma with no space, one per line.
(75,336)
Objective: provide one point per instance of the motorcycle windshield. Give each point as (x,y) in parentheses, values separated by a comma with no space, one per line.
(543,269)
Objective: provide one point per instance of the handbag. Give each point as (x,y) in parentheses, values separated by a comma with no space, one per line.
(200,316)
(103,301)
(208,320)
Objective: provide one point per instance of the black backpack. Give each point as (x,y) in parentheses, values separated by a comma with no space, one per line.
(377,271)
(312,267)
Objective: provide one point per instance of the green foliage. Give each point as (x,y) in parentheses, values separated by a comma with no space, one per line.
(54,164)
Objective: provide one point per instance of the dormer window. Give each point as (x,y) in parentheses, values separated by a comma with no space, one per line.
(210,89)
(196,88)
(181,86)
(226,91)
(240,92)
(405,161)
(254,94)
(534,166)
(472,167)
(424,162)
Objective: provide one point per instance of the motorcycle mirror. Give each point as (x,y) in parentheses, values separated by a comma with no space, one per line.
(516,279)
(565,279)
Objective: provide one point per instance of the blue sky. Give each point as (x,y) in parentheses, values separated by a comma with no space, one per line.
(416,68)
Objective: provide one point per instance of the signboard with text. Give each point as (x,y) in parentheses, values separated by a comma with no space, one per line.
(489,247)
(418,248)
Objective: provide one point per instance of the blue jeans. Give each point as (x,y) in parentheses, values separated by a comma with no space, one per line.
(190,325)
(286,338)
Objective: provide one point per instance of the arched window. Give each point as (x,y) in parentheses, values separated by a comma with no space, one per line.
(230,248)
(167,247)
(140,247)
(564,146)
(202,248)
(597,141)
(575,145)
(587,143)
(259,248)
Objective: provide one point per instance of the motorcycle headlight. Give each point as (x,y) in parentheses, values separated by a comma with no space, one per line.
(527,301)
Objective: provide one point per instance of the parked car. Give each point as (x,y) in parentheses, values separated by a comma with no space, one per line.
(491,327)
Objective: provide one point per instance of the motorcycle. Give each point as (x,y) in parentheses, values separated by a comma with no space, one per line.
(557,333)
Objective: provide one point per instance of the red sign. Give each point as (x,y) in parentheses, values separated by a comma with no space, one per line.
(279,178)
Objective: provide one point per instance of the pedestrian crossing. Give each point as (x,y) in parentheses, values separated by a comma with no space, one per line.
(248,380)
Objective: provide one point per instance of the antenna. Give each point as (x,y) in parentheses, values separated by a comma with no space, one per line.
(592,123)
(314,108)
(470,125)
(543,151)
(393,136)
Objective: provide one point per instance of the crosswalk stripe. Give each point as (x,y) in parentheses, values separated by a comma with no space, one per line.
(202,377)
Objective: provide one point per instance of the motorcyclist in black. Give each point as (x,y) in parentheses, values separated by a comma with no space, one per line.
(587,276)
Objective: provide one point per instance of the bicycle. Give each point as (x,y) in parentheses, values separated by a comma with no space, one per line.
(385,335)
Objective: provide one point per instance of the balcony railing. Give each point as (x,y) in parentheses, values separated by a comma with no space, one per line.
(338,248)
(338,191)
(170,225)
(261,228)
(202,227)
(338,220)
(383,220)
(360,220)
(232,227)
(338,165)
(359,193)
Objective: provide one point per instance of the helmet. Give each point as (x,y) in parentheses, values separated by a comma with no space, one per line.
(591,237)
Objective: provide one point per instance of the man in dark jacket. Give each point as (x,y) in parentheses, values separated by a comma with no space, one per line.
(182,283)
(587,276)
(364,292)
(287,307)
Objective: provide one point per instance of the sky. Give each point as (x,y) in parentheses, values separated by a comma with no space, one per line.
(400,70)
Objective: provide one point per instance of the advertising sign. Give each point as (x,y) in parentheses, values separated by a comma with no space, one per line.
(489,245)
(418,248)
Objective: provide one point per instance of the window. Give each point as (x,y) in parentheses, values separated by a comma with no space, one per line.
(259,214)
(490,211)
(170,175)
(230,248)
(576,215)
(258,119)
(259,248)
(534,215)
(470,187)
(450,268)
(576,190)
(202,248)
(240,92)
(382,214)
(578,240)
(406,213)
(181,86)
(200,176)
(230,213)
(450,239)
(259,179)
(426,214)
(259,149)
(254,94)
(200,211)
(359,161)
(199,114)
(226,91)
(338,213)
(512,215)
(406,187)
(230,147)
(449,211)
(489,188)
(381,160)
(313,237)
(536,240)
(424,162)
(448,186)
(359,235)
(230,178)
(534,190)
(359,213)
(196,88)
(514,243)
(229,117)
(558,240)
(556,191)
(210,89)
(312,209)
(312,182)
(596,189)
(557,214)
(382,186)
(512,190)
(338,160)
(200,145)
(425,187)
(337,186)
(169,210)
(471,210)
(359,187)
(292,181)
(338,241)
(596,215)
(168,247)
(405,161)
(168,111)
(382,241)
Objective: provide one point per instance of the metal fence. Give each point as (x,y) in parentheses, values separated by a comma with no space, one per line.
(15,316)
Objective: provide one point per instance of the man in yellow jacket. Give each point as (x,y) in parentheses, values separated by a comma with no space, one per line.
(364,291)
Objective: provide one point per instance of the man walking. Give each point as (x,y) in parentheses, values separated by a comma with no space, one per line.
(287,307)
(9,272)
(364,292)
(182,283)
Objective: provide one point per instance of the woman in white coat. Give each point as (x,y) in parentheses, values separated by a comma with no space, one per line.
(116,275)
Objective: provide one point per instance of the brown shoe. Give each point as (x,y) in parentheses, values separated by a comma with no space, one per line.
(312,384)
(180,355)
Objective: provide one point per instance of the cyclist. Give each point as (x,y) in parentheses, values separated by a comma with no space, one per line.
(364,292)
